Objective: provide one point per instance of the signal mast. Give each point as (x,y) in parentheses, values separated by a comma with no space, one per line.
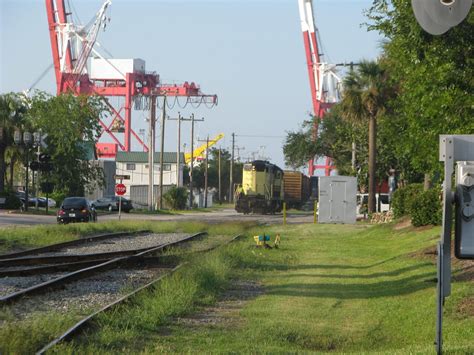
(72,46)
(323,79)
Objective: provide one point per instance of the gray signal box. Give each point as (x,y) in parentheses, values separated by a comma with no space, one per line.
(337,199)
(464,210)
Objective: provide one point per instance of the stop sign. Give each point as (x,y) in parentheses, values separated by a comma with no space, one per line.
(120,189)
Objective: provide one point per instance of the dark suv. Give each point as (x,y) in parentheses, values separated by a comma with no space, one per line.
(76,209)
(111,203)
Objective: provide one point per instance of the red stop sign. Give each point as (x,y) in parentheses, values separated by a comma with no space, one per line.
(120,189)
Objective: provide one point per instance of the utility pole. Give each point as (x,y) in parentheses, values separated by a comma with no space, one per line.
(206,172)
(151,152)
(220,193)
(231,182)
(163,120)
(178,148)
(192,119)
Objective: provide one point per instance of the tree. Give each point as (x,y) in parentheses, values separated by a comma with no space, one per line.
(300,147)
(364,99)
(72,128)
(12,116)
(434,75)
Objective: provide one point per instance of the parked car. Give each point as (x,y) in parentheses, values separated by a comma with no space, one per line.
(42,202)
(76,209)
(111,203)
(32,200)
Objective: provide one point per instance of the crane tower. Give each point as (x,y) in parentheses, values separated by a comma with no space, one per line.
(125,79)
(323,78)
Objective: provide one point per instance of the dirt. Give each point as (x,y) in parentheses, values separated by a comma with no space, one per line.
(463,270)
(226,311)
(466,306)
(403,223)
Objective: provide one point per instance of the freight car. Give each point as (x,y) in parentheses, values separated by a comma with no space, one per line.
(261,190)
(296,188)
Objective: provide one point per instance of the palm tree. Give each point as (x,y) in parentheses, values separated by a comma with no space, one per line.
(365,98)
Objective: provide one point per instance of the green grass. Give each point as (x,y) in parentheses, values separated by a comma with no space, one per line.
(329,288)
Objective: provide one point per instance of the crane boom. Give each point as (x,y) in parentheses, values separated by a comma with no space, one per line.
(199,151)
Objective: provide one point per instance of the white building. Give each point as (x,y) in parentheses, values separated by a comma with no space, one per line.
(136,165)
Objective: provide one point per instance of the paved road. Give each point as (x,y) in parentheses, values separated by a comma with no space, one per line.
(16,219)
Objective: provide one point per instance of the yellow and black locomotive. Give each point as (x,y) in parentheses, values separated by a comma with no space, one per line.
(261,190)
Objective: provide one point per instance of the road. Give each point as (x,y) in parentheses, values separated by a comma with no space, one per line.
(225,215)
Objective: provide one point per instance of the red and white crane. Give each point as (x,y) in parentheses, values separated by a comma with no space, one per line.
(125,79)
(323,79)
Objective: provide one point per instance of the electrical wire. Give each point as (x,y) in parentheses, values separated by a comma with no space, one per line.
(257,136)
(40,77)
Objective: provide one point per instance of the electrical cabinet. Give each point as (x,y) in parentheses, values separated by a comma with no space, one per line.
(337,199)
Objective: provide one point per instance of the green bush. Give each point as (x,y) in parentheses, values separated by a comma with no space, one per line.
(12,202)
(403,197)
(426,208)
(176,198)
(58,196)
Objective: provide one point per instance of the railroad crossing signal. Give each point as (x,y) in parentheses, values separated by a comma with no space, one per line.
(120,189)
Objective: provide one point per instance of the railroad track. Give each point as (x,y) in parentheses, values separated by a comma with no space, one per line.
(85,322)
(83,265)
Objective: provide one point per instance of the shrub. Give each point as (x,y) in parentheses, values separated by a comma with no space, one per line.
(58,196)
(12,202)
(403,197)
(426,208)
(176,198)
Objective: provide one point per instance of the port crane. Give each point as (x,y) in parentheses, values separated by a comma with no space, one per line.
(323,79)
(199,151)
(126,79)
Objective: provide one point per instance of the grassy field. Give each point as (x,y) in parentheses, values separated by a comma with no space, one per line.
(328,288)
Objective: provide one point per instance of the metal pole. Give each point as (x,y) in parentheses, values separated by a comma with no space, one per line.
(38,176)
(231,178)
(27,179)
(315,212)
(120,205)
(178,150)
(151,152)
(163,116)
(220,190)
(191,167)
(206,171)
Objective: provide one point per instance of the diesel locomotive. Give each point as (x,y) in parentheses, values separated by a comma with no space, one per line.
(261,190)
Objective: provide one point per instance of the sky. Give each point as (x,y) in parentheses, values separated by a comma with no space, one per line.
(249,53)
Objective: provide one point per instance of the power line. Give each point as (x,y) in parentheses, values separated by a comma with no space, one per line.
(257,136)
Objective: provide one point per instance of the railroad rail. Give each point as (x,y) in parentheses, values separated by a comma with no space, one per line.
(75,242)
(87,271)
(83,323)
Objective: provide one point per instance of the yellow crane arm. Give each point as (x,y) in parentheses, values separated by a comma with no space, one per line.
(201,149)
